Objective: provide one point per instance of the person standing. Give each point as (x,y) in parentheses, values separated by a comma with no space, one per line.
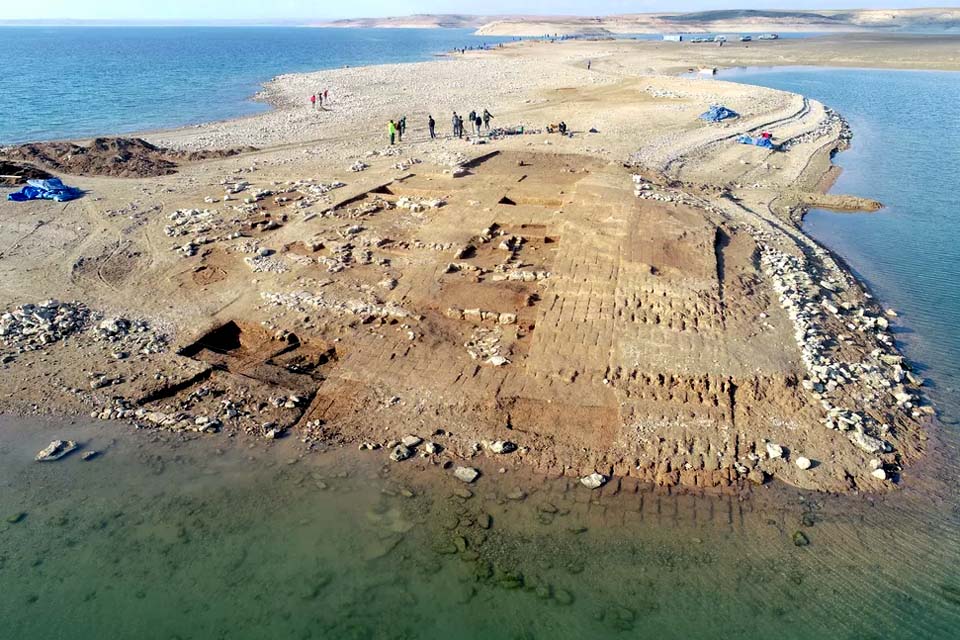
(313,101)
(431,124)
(589,64)
(478,124)
(326,97)
(487,116)
(403,127)
(456,119)
(473,119)
(392,130)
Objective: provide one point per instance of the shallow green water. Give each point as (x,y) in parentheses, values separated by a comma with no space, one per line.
(160,539)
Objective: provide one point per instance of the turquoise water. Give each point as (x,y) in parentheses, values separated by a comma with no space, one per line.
(906,153)
(64,82)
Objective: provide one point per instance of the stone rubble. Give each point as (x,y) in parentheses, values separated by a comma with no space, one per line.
(33,326)
(518,275)
(478,316)
(417,205)
(302,300)
(484,344)
(831,121)
(808,303)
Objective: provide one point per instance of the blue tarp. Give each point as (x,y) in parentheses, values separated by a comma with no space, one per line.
(718,113)
(766,143)
(51,189)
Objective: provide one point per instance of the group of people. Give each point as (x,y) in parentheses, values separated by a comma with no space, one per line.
(396,129)
(478,122)
(318,98)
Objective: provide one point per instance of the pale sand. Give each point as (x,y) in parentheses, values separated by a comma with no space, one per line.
(647,341)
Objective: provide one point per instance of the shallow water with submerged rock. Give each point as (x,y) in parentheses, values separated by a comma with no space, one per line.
(163,537)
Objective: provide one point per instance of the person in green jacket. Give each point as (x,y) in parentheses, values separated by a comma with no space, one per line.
(392,129)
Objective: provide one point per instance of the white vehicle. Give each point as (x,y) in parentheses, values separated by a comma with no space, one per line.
(769,36)
(719,38)
(746,38)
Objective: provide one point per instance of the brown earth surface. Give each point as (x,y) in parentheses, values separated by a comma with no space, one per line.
(14,173)
(624,301)
(120,157)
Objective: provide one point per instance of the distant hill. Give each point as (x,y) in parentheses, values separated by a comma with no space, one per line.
(421,21)
(918,20)
(740,14)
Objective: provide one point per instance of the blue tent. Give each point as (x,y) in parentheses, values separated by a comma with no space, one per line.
(718,113)
(760,141)
(51,189)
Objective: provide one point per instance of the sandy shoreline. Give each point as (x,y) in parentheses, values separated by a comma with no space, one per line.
(291,91)
(696,353)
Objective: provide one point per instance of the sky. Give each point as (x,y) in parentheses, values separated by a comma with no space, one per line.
(307,10)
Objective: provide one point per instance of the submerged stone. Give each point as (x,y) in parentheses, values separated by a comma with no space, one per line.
(466,593)
(444,548)
(563,597)
(619,617)
(56,450)
(516,494)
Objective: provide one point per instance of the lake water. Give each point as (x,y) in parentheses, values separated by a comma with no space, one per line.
(212,538)
(65,82)
(905,153)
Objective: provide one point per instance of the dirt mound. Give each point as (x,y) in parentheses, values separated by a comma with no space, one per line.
(14,173)
(119,157)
